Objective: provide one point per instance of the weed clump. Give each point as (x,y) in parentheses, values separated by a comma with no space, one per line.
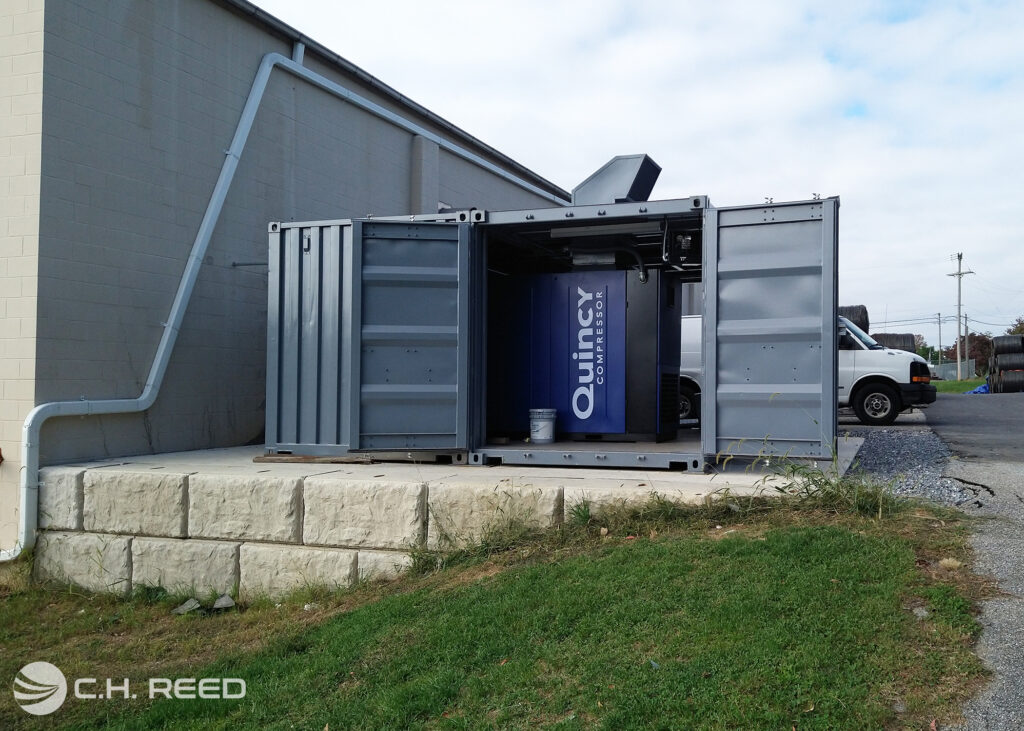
(827,489)
(788,488)
(511,527)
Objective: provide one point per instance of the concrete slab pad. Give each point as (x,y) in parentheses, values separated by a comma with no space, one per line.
(847,449)
(238,461)
(352,514)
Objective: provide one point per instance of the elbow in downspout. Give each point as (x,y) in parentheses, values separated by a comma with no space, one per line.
(28,500)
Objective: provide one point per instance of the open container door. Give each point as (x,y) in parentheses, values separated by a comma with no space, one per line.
(367,339)
(770,330)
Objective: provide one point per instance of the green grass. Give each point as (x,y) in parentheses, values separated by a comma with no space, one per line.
(737,632)
(958,386)
(737,614)
(800,625)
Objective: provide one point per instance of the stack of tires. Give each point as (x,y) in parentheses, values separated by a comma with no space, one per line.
(1006,367)
(896,341)
(857,314)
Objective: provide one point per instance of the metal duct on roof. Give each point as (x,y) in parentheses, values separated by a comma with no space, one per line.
(623,179)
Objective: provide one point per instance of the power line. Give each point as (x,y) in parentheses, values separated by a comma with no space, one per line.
(988,285)
(932,320)
(916,321)
(911,321)
(993,324)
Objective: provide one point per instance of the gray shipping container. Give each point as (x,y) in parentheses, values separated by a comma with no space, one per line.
(378,328)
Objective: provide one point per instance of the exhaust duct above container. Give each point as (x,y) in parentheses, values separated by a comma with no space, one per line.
(623,179)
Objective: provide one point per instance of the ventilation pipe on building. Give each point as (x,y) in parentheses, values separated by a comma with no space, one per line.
(29,478)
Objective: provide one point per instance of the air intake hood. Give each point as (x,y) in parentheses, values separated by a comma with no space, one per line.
(623,179)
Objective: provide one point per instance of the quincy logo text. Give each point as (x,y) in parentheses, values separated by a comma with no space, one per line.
(590,350)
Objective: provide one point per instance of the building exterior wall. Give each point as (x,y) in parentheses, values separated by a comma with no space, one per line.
(21,100)
(140,101)
(464,185)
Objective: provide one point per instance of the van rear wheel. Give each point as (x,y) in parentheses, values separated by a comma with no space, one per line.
(877,404)
(689,405)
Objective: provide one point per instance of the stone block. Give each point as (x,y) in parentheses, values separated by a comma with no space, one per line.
(93,561)
(598,496)
(60,498)
(247,508)
(463,513)
(382,564)
(185,565)
(364,513)
(140,503)
(273,570)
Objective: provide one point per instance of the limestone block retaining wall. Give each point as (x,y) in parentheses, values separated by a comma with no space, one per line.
(255,532)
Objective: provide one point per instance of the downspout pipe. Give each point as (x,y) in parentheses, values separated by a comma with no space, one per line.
(29,476)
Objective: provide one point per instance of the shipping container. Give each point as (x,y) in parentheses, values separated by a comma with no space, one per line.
(432,337)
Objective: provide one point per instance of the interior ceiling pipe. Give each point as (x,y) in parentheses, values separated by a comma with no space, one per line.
(29,476)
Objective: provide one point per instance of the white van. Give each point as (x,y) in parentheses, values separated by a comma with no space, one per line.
(876,381)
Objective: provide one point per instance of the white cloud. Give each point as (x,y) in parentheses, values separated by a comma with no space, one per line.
(912,112)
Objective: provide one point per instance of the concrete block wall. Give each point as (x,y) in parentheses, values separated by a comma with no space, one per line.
(108,168)
(111,529)
(21,102)
(267,532)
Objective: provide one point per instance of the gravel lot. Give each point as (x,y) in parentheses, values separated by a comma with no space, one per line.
(913,459)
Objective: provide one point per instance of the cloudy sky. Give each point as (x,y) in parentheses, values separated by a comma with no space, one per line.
(911,112)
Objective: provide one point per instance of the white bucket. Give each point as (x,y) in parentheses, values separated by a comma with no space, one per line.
(542,426)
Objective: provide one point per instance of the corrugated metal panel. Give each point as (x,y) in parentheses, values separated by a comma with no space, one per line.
(367,337)
(303,339)
(412,335)
(770,278)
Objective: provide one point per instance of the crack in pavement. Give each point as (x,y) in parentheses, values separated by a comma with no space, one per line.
(986,488)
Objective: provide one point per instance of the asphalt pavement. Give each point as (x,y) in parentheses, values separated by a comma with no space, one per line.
(980,426)
(985,432)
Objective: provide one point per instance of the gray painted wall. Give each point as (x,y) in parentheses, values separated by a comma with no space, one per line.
(140,100)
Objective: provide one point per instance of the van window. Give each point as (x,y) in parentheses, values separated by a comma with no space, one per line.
(860,335)
(848,342)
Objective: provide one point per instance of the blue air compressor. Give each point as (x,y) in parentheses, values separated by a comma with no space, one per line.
(600,347)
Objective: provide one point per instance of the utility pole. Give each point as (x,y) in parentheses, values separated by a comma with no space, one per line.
(959,274)
(938,316)
(967,342)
